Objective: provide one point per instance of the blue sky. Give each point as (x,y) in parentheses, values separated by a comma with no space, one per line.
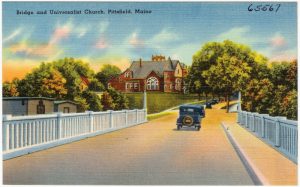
(172,29)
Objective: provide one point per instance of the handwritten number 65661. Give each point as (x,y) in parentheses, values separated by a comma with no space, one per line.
(266,7)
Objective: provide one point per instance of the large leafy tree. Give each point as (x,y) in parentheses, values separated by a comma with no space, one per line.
(284,77)
(54,85)
(72,70)
(289,105)
(59,79)
(42,78)
(106,73)
(257,96)
(107,101)
(93,100)
(208,56)
(284,73)
(9,89)
(120,100)
(96,86)
(292,75)
(82,104)
(202,60)
(229,74)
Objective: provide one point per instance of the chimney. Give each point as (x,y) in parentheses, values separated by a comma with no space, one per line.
(140,62)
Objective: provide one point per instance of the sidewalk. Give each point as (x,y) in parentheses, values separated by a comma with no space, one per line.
(271,167)
(223,104)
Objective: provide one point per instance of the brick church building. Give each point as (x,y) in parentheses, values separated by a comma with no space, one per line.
(157,74)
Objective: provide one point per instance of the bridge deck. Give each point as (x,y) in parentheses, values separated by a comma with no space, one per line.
(152,153)
(272,166)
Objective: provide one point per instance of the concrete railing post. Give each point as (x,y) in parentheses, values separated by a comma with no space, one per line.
(241,114)
(262,122)
(137,116)
(246,119)
(59,131)
(277,132)
(253,122)
(91,120)
(126,117)
(111,123)
(145,115)
(239,107)
(5,132)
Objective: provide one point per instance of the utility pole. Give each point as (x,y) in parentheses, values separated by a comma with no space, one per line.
(145,100)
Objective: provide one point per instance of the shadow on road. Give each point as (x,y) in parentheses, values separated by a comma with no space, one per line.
(187,129)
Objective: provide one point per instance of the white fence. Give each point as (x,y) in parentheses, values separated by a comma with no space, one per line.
(276,131)
(24,134)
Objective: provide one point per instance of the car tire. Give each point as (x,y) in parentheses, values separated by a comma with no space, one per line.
(198,128)
(178,127)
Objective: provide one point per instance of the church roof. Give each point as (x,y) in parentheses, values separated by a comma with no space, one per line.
(141,69)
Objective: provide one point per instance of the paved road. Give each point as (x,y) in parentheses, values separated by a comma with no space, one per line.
(154,153)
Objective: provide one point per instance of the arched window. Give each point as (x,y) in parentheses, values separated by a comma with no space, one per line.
(152,83)
(178,84)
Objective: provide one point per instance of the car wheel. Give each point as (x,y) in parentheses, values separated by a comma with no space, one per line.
(178,127)
(198,128)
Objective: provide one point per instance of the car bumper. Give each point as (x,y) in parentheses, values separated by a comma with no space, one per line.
(195,124)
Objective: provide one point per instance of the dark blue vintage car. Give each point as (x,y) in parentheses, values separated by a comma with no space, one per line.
(190,115)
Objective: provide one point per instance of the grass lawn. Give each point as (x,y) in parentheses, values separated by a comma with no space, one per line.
(158,115)
(158,101)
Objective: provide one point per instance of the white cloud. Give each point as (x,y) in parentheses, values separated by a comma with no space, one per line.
(13,35)
(81,31)
(241,35)
(134,40)
(103,26)
(63,31)
(185,52)
(162,38)
(284,55)
(101,43)
(275,47)
(278,41)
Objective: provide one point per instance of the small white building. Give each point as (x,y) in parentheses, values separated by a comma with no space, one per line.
(21,106)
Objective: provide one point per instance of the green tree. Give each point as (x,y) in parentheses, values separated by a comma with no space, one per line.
(229,74)
(279,72)
(96,86)
(257,96)
(6,89)
(107,101)
(32,84)
(93,100)
(82,104)
(209,55)
(120,100)
(54,85)
(10,89)
(106,73)
(60,79)
(289,105)
(278,94)
(72,69)
(292,75)
(44,81)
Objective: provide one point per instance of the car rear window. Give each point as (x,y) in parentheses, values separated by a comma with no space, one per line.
(188,110)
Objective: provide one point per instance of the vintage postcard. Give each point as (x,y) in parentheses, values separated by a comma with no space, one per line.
(149,93)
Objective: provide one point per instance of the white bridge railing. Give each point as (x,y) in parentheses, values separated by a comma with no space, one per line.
(276,131)
(24,134)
